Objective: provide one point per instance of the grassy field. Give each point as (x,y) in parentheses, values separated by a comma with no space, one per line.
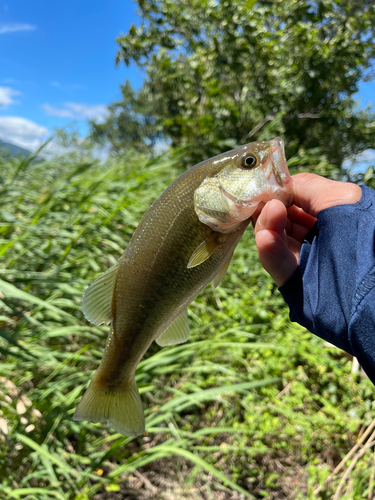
(252,406)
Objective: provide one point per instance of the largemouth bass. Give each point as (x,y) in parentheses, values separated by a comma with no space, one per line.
(185,240)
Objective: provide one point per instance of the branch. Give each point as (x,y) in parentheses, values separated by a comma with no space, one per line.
(268,118)
(314,116)
(351,467)
(344,460)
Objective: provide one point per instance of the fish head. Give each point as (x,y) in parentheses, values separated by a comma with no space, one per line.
(246,176)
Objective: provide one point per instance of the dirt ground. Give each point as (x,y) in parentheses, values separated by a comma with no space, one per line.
(154,483)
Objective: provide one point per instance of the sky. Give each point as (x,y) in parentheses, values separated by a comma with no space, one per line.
(57,66)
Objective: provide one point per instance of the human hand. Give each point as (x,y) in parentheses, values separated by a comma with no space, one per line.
(280,231)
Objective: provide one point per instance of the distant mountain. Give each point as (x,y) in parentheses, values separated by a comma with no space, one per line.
(12,149)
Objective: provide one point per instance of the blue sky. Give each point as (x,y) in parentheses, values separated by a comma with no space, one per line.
(57,65)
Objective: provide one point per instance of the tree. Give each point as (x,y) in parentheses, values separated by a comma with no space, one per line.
(220,73)
(131,123)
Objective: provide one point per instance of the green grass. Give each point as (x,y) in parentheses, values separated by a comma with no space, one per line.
(251,406)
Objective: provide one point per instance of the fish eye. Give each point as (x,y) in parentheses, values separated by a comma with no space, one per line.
(249,161)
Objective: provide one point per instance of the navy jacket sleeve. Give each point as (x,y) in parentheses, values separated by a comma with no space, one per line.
(332,292)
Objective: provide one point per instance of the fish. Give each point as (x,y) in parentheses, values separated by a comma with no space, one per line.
(184,241)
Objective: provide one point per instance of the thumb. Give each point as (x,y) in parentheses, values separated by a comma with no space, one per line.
(275,252)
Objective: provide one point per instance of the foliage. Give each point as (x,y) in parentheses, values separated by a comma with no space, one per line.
(251,406)
(367,178)
(221,73)
(131,123)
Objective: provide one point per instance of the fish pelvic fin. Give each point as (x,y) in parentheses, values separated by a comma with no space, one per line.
(119,407)
(224,268)
(177,332)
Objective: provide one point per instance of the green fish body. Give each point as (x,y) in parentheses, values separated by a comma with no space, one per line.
(185,240)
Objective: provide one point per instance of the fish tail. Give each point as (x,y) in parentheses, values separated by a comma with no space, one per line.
(120,407)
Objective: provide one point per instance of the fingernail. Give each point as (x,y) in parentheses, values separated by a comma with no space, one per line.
(263,216)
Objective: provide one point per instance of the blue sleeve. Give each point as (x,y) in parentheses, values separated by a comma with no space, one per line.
(332,292)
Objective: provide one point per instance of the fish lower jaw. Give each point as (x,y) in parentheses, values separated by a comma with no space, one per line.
(284,194)
(230,223)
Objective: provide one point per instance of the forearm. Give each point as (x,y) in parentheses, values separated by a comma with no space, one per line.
(332,291)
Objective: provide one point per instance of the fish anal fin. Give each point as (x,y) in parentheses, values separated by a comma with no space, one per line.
(205,250)
(97,301)
(222,271)
(177,332)
(120,407)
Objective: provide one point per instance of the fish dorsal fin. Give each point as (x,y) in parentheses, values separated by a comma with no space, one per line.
(97,301)
(177,332)
(204,250)
(222,271)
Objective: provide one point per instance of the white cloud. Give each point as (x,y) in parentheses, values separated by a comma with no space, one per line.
(13,27)
(78,111)
(6,96)
(22,132)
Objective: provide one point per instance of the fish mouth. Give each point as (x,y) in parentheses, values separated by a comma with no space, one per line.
(276,144)
(278,164)
(277,182)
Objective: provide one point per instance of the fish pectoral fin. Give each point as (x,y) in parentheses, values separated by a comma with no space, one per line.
(222,271)
(204,250)
(97,301)
(177,332)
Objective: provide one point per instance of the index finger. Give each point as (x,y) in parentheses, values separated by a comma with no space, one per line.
(314,193)
(299,216)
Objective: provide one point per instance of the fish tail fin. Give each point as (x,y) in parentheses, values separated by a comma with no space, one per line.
(120,407)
